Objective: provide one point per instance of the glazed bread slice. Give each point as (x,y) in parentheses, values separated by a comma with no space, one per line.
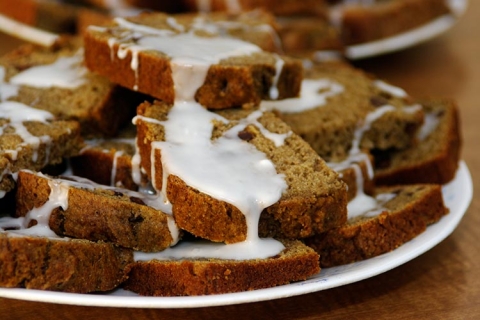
(32,139)
(360,23)
(68,265)
(95,213)
(193,277)
(403,212)
(341,108)
(434,159)
(100,106)
(143,53)
(314,201)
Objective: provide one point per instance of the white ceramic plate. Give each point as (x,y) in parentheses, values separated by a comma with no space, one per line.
(457,196)
(409,38)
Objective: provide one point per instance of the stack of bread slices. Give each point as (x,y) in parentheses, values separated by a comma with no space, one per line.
(200,160)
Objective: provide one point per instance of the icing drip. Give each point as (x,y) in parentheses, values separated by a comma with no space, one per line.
(430,124)
(362,203)
(278,70)
(249,181)
(41,215)
(113,174)
(314,94)
(17,113)
(58,198)
(7,90)
(66,72)
(193,250)
(457,7)
(394,91)
(276,138)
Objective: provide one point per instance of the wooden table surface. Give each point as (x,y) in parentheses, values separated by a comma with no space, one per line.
(443,283)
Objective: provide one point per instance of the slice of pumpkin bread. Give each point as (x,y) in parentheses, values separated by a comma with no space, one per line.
(341,109)
(171,59)
(192,277)
(400,214)
(94,212)
(69,265)
(434,159)
(32,139)
(55,80)
(200,166)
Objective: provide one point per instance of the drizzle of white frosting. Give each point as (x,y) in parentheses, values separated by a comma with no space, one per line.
(202,249)
(17,113)
(431,122)
(113,173)
(457,7)
(277,138)
(227,168)
(7,90)
(314,93)
(65,72)
(361,203)
(278,70)
(386,87)
(58,198)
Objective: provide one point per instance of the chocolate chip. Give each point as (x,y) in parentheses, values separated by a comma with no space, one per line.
(245,135)
(117,194)
(378,101)
(137,200)
(382,160)
(135,219)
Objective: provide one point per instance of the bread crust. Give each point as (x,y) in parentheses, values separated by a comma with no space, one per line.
(78,266)
(433,160)
(405,217)
(314,201)
(214,276)
(233,82)
(99,215)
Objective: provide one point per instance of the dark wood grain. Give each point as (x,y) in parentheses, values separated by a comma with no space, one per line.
(443,283)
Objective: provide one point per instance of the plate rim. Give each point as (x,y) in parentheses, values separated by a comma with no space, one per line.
(126,299)
(406,39)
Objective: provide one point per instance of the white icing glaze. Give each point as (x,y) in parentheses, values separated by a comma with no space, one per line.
(278,70)
(429,125)
(194,250)
(457,7)
(113,173)
(276,138)
(17,113)
(65,72)
(314,93)
(7,90)
(58,198)
(386,87)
